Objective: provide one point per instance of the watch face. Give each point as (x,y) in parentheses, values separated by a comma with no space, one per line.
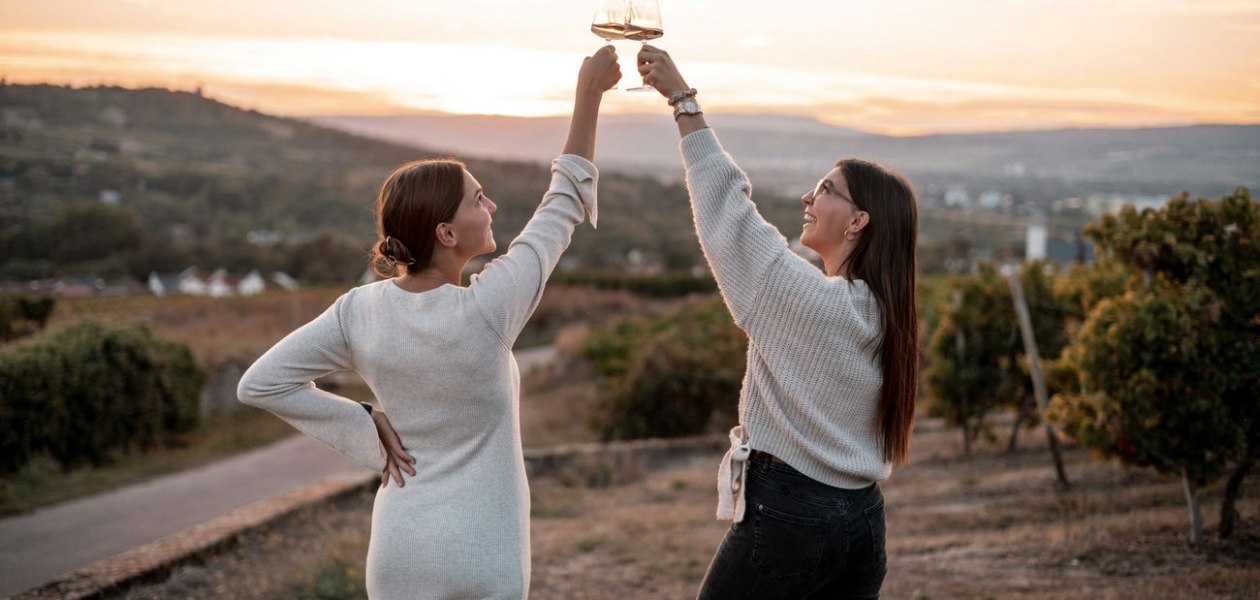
(688,106)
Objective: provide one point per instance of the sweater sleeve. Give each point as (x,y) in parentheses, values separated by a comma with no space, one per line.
(509,288)
(282,382)
(739,244)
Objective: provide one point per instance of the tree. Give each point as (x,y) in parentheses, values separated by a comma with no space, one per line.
(91,232)
(1167,373)
(972,354)
(668,376)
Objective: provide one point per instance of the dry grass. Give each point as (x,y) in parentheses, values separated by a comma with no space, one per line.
(219,330)
(238,329)
(989,526)
(279,561)
(994,526)
(555,400)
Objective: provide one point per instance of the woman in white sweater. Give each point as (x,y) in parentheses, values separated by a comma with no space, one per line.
(827,403)
(454,520)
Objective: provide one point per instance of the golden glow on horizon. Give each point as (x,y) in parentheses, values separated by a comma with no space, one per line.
(1096,66)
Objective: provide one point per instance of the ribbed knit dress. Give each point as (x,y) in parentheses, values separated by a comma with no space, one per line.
(440,364)
(811,391)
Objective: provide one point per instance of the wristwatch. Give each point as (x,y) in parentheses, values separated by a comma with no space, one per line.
(686,106)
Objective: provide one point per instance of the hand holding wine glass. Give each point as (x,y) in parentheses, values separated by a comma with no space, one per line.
(659,70)
(638,20)
(656,66)
(600,71)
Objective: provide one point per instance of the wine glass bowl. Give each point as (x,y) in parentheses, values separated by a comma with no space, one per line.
(643,20)
(610,20)
(637,20)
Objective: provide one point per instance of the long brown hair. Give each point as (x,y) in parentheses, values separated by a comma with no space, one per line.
(413,200)
(885,259)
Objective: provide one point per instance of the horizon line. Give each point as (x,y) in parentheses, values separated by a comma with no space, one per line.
(304,116)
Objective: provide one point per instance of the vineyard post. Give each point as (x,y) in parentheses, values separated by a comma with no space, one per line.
(960,349)
(1034,369)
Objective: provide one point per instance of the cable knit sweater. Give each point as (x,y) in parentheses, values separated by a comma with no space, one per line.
(811,391)
(440,364)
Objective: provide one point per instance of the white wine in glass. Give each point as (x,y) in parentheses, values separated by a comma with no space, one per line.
(643,23)
(610,20)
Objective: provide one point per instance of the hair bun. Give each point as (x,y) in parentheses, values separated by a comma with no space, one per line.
(395,251)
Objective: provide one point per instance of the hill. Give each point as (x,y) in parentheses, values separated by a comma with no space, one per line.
(112,181)
(782,152)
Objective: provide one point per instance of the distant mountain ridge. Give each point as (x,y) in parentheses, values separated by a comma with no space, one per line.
(634,142)
(1215,158)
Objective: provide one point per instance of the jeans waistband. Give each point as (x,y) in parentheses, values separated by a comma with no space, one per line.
(759,455)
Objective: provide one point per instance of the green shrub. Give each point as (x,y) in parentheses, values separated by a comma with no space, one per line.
(972,354)
(1167,372)
(663,285)
(975,359)
(21,316)
(333,580)
(89,390)
(671,376)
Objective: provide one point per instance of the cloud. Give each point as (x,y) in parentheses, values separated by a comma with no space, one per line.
(1211,7)
(296,76)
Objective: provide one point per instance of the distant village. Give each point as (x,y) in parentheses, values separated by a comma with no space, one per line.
(189,282)
(218,284)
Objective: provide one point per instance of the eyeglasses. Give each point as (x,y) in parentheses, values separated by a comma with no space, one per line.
(825,186)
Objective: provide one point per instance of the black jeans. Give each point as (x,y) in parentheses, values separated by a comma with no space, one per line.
(800,539)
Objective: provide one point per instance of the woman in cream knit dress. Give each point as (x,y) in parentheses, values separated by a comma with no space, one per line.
(452,518)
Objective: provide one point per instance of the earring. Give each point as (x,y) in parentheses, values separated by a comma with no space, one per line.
(850,236)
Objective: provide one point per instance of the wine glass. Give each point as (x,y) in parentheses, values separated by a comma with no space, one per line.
(638,20)
(610,20)
(643,23)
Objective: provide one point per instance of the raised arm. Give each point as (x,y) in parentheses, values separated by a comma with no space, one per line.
(598,74)
(739,244)
(659,70)
(509,288)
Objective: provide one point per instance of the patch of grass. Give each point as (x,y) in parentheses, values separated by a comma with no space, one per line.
(218,330)
(43,483)
(333,580)
(662,497)
(555,503)
(969,478)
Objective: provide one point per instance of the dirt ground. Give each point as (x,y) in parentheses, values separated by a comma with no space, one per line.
(992,525)
(989,526)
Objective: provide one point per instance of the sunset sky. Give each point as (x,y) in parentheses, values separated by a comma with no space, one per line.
(896,66)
